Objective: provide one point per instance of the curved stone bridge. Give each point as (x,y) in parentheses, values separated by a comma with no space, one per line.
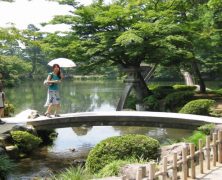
(120,118)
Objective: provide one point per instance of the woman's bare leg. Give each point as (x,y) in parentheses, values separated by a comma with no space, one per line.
(57,108)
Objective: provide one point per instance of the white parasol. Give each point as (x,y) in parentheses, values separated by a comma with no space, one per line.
(62,62)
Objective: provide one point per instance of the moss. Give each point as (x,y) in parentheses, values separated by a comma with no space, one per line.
(26,142)
(180,87)
(121,148)
(199,106)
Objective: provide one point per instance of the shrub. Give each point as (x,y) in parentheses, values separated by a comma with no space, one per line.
(176,100)
(8,110)
(207,129)
(25,141)
(199,106)
(131,102)
(121,147)
(195,138)
(73,173)
(161,92)
(180,87)
(151,103)
(6,166)
(47,136)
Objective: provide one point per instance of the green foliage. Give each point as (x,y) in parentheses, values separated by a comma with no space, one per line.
(113,168)
(13,69)
(180,87)
(130,102)
(9,109)
(25,141)
(199,106)
(176,100)
(47,136)
(161,92)
(121,147)
(207,129)
(151,103)
(6,166)
(195,138)
(73,174)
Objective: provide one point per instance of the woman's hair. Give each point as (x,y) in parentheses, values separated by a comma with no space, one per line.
(59,73)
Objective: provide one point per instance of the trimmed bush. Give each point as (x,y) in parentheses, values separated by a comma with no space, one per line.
(25,141)
(121,148)
(199,106)
(151,103)
(6,166)
(161,92)
(178,99)
(180,87)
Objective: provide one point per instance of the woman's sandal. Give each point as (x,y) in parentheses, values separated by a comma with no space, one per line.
(57,115)
(47,115)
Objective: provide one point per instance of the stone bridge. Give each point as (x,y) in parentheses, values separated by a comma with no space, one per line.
(118,118)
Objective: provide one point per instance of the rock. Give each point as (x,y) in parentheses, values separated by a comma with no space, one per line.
(169,150)
(28,114)
(5,139)
(130,170)
(12,151)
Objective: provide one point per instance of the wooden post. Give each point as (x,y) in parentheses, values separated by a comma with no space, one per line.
(164,168)
(184,164)
(151,171)
(220,147)
(143,171)
(208,152)
(214,149)
(192,153)
(174,166)
(139,174)
(201,155)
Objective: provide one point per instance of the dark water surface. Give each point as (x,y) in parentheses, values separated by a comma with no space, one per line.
(75,142)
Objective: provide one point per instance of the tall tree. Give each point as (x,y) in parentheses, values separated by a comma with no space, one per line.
(31,39)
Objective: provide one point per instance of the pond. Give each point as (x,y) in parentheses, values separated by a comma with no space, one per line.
(74,143)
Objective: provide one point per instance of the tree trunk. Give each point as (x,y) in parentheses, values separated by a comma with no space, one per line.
(199,77)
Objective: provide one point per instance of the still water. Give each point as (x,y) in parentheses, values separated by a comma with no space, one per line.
(74,143)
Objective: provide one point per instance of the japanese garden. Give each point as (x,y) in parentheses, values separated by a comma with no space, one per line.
(161,56)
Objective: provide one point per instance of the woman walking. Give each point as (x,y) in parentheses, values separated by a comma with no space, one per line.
(53,98)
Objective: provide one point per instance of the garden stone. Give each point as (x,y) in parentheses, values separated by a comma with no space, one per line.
(5,138)
(12,151)
(130,170)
